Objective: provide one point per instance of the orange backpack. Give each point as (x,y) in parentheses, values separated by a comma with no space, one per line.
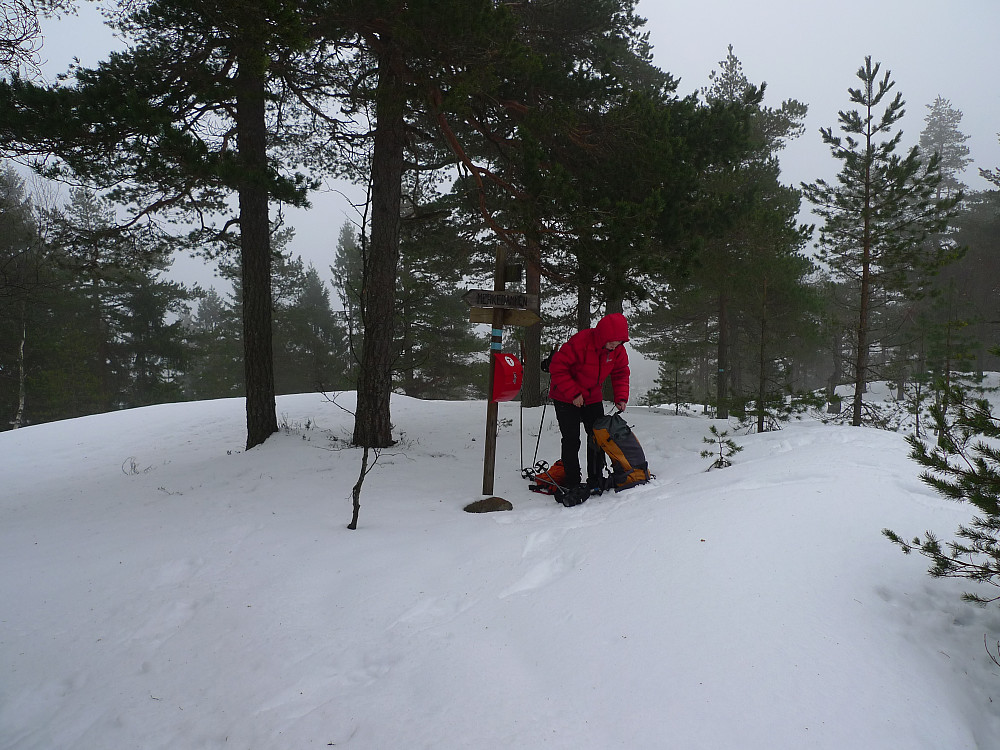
(628,461)
(549,480)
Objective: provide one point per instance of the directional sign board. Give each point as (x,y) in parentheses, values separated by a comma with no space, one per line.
(510,317)
(506,300)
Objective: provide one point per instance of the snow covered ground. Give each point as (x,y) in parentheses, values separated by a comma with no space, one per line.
(160,587)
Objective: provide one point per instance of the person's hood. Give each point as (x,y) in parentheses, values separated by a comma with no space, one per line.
(613,327)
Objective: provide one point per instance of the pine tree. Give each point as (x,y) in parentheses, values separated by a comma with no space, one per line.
(185,117)
(588,173)
(151,340)
(436,343)
(880,214)
(964,467)
(725,447)
(778,308)
(991,175)
(215,362)
(98,262)
(22,277)
(46,358)
(976,275)
(942,136)
(749,268)
(955,324)
(310,345)
(938,326)
(673,380)
(439,347)
(93,326)
(348,270)
(62,381)
(134,353)
(436,59)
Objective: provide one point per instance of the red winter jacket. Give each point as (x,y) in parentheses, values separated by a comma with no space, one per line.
(582,364)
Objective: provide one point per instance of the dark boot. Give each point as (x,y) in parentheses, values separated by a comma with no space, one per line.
(573,495)
(596,486)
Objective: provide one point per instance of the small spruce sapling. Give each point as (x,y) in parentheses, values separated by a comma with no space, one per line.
(726,448)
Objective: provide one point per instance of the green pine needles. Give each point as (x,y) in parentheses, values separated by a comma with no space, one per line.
(723,444)
(964,466)
(884,218)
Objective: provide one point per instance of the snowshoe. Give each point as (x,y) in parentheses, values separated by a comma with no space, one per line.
(574,495)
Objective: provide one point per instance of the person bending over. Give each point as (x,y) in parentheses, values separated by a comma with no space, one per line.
(578,371)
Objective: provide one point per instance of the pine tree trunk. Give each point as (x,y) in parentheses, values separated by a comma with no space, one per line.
(615,305)
(372,421)
(255,250)
(861,371)
(102,353)
(762,369)
(833,400)
(722,384)
(584,299)
(21,370)
(531,393)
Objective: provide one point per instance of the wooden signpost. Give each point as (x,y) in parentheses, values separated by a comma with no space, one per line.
(500,298)
(498,308)
(510,317)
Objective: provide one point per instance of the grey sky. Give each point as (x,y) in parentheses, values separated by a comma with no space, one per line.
(802,49)
(810,51)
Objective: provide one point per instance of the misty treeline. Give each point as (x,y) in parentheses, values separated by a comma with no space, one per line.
(542,127)
(91,323)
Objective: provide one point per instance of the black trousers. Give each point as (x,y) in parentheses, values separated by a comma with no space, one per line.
(570,418)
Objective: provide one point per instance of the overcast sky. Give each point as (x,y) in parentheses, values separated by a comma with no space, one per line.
(802,49)
(811,51)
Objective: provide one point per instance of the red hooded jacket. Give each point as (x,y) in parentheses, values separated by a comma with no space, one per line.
(582,364)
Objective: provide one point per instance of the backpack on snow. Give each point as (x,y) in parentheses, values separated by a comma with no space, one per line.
(548,480)
(551,480)
(628,461)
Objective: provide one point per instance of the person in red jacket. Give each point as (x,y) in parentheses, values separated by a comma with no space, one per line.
(578,370)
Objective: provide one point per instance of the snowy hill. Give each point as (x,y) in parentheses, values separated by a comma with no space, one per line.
(162,588)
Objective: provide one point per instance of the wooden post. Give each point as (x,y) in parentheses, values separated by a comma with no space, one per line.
(492,407)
